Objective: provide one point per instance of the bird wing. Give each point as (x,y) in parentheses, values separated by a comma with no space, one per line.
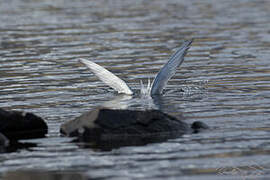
(107,77)
(169,69)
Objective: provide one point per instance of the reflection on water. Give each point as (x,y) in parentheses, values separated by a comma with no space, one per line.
(42,175)
(15,146)
(224,78)
(128,102)
(119,102)
(144,102)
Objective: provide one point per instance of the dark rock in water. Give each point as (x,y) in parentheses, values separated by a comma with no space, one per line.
(124,127)
(198,126)
(4,142)
(20,125)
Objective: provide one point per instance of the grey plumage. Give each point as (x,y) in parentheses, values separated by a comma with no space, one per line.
(169,69)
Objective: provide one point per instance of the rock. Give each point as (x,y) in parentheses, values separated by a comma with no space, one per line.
(20,125)
(4,142)
(199,126)
(126,127)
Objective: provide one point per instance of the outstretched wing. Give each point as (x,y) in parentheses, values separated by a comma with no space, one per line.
(169,69)
(107,77)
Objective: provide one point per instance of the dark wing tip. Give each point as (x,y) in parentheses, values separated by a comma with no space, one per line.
(187,43)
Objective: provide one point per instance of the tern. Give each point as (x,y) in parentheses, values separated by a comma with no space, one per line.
(154,88)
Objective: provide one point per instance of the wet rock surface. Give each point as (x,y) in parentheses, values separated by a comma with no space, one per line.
(124,127)
(16,125)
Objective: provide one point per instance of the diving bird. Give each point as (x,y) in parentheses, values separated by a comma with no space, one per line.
(155,88)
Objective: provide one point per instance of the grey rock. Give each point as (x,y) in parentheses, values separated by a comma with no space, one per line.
(21,125)
(126,127)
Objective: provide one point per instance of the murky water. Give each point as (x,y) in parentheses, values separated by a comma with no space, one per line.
(225,78)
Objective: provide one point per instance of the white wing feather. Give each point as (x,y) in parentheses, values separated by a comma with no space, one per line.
(107,77)
(169,69)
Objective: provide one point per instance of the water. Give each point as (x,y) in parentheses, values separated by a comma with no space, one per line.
(225,78)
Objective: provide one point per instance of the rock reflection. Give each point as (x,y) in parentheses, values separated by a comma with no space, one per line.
(14,146)
(119,141)
(42,175)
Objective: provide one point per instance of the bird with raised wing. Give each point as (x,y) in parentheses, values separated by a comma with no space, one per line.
(155,88)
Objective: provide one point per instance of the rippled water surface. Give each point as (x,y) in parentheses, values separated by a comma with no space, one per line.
(225,78)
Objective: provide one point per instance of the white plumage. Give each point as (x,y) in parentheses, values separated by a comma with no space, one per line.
(159,83)
(107,77)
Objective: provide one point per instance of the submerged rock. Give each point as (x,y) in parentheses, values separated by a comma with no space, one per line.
(21,125)
(124,127)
